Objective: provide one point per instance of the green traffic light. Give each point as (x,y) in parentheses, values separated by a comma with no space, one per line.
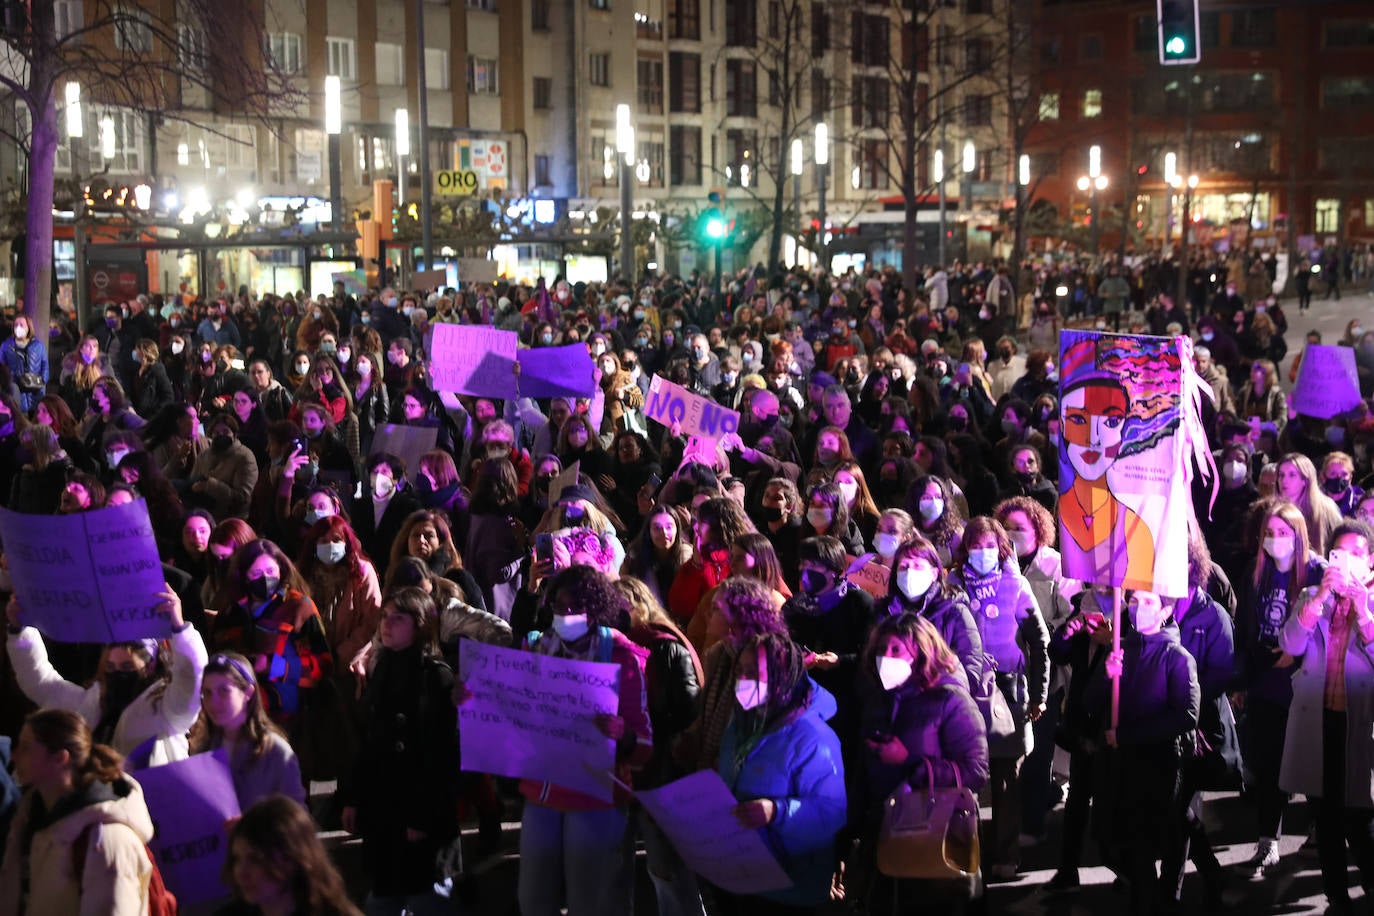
(1176,45)
(715,228)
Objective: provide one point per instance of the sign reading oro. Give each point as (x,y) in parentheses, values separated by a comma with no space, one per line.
(455,182)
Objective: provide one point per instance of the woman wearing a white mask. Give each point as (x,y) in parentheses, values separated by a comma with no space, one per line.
(1016,639)
(919,585)
(920,726)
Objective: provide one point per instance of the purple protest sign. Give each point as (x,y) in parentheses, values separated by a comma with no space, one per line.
(189,801)
(669,402)
(472,359)
(533,717)
(556,372)
(89,577)
(697,814)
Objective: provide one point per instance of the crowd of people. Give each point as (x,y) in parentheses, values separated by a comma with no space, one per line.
(856,594)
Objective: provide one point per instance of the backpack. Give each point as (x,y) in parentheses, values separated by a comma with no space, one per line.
(161,902)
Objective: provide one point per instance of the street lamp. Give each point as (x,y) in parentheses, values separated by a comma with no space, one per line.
(402,150)
(333,126)
(970,163)
(76,130)
(822,166)
(625,147)
(1176,182)
(107,138)
(796,170)
(1093,182)
(938,173)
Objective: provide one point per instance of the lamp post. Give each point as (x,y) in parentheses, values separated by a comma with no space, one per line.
(1177,183)
(625,148)
(333,126)
(969,163)
(938,173)
(402,150)
(822,166)
(796,163)
(1093,182)
(1023,178)
(76,130)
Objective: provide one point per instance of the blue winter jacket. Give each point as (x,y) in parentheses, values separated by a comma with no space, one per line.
(798,766)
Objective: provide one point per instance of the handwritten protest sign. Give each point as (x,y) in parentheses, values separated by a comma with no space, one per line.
(189,801)
(566,479)
(477,270)
(532,717)
(1328,384)
(405,442)
(556,372)
(89,577)
(869,574)
(696,813)
(697,415)
(473,359)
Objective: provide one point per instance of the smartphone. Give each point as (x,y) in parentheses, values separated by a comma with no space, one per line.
(299,446)
(543,547)
(654,482)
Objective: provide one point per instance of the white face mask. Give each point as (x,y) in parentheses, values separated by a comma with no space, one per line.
(364,369)
(983,560)
(915,582)
(819,518)
(312,516)
(1023,541)
(177,347)
(382,486)
(893,672)
(1279,548)
(570,627)
(330,552)
(931,509)
(886,545)
(750,693)
(848,491)
(1235,471)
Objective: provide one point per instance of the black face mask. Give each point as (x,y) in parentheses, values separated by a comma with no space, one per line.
(812,582)
(1335,485)
(121,689)
(221,442)
(263,588)
(773,513)
(958,424)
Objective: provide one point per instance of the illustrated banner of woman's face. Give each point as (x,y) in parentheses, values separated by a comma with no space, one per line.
(1092,428)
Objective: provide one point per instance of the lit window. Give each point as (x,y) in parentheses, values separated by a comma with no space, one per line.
(1092,103)
(1049,106)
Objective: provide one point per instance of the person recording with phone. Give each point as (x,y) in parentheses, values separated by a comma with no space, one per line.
(1328,753)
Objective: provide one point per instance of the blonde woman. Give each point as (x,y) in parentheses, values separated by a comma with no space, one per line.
(1298,482)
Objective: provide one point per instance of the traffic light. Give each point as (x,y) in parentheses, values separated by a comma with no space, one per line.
(1178,32)
(715,225)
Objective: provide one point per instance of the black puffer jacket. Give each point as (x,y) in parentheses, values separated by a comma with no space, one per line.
(1160,695)
(947,608)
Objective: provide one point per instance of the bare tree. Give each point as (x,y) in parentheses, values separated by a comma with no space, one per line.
(143,58)
(904,82)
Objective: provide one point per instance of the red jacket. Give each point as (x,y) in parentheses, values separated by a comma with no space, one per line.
(695,578)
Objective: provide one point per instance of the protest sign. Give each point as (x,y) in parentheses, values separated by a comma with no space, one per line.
(354,281)
(473,359)
(697,814)
(425,280)
(89,577)
(405,442)
(533,717)
(476,270)
(556,372)
(869,574)
(1328,384)
(189,801)
(566,479)
(1128,430)
(697,415)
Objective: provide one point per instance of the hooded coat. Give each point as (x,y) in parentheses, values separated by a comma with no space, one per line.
(113,819)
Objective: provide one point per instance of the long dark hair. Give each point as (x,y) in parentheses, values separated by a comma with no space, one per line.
(789,688)
(290,577)
(287,839)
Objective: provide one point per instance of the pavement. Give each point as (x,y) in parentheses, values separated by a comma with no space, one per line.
(1291,889)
